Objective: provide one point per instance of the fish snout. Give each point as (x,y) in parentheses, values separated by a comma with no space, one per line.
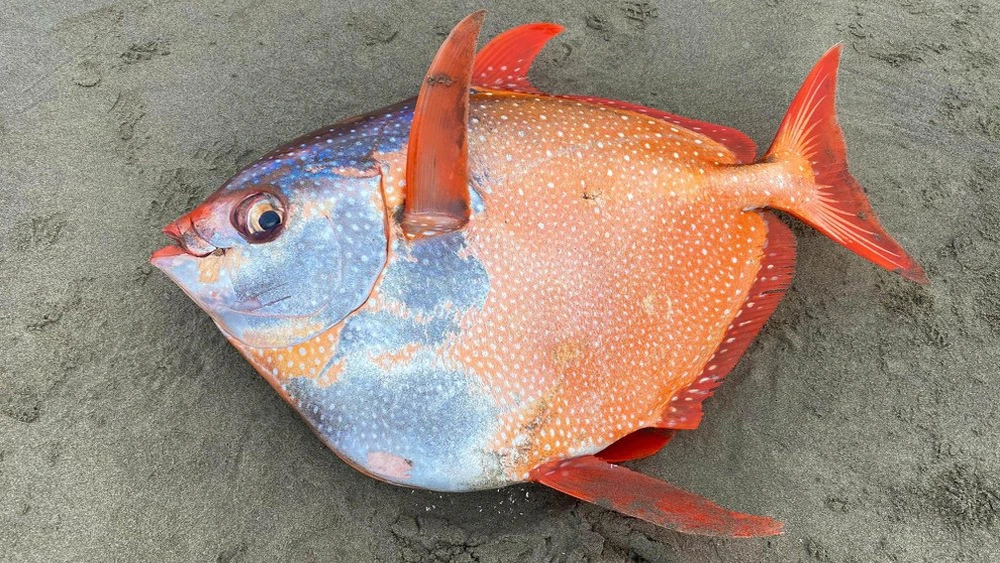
(187,237)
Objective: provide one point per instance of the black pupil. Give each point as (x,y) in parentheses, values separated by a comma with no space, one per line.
(269,220)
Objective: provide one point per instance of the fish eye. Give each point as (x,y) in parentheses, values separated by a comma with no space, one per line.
(259,217)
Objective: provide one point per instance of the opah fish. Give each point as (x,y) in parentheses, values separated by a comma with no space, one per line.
(490,285)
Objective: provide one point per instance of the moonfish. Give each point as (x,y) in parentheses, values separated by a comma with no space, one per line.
(489,285)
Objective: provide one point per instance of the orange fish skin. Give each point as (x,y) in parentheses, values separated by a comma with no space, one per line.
(607,260)
(614,269)
(618,253)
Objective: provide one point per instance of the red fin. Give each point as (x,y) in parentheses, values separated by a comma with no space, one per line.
(504,62)
(637,445)
(741,145)
(437,171)
(684,411)
(837,206)
(637,495)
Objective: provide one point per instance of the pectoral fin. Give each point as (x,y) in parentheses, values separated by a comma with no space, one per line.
(637,495)
(437,170)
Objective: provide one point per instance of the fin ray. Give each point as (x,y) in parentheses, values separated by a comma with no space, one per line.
(640,496)
(684,411)
(437,170)
(504,62)
(810,138)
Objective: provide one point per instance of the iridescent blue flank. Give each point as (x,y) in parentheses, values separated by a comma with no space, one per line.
(431,418)
(333,248)
(343,147)
(434,276)
(430,281)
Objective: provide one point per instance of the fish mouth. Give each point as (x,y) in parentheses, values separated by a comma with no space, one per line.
(164,258)
(161,256)
(187,242)
(188,238)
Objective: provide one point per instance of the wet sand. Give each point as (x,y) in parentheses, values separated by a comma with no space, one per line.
(865,416)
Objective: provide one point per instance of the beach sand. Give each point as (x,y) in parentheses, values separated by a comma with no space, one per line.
(865,416)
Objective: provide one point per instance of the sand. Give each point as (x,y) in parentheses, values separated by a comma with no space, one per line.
(865,416)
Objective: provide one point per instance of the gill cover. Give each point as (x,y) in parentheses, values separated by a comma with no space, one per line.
(270,289)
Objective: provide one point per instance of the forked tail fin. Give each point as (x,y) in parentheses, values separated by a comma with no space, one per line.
(810,138)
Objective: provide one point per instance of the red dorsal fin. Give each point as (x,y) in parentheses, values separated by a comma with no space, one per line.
(437,170)
(683,412)
(741,145)
(623,490)
(504,62)
(637,445)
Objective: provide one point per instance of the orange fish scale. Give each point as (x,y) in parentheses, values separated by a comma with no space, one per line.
(308,359)
(615,264)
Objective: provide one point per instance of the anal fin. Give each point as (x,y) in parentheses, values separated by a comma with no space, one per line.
(640,496)
(684,411)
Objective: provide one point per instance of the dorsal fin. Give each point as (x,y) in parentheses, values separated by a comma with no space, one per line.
(504,62)
(437,170)
(683,412)
(741,145)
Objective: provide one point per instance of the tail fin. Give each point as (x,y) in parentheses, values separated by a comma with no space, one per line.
(810,137)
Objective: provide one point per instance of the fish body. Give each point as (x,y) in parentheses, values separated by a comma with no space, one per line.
(612,266)
(482,354)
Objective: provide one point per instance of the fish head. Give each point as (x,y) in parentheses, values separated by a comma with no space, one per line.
(281,253)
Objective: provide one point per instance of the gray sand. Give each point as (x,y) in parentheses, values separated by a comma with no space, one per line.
(865,416)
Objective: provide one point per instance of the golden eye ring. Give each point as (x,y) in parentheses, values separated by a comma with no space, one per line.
(259,217)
